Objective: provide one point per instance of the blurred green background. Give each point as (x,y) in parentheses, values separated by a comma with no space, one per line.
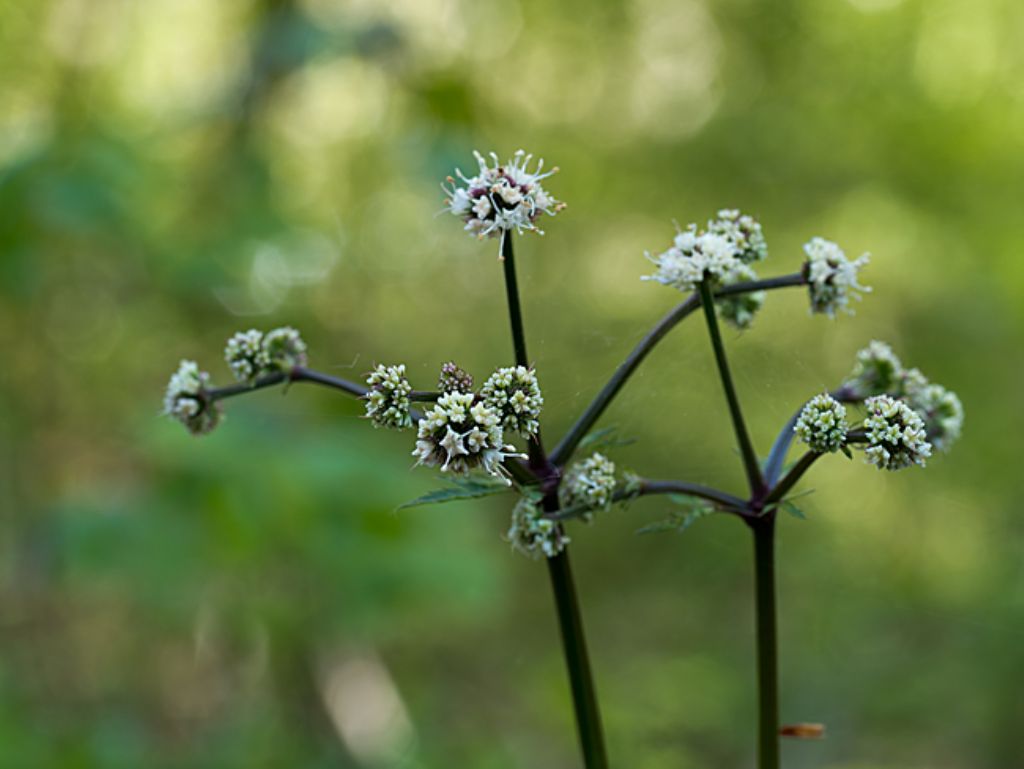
(175,170)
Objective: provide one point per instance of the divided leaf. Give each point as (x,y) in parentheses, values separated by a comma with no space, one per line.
(459,488)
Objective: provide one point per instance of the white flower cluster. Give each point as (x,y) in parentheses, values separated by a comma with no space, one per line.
(454,379)
(387,397)
(534,535)
(515,395)
(895,434)
(744,231)
(242,354)
(500,197)
(822,424)
(459,434)
(941,409)
(590,482)
(251,353)
(722,254)
(282,350)
(186,401)
(878,371)
(831,277)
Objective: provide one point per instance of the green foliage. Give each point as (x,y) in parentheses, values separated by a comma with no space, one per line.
(679,521)
(459,489)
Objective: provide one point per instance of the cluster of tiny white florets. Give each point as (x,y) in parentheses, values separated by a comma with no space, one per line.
(589,482)
(744,231)
(282,350)
(832,277)
(941,409)
(459,434)
(876,371)
(895,434)
(534,535)
(514,394)
(740,309)
(822,424)
(501,197)
(693,257)
(242,354)
(387,397)
(454,379)
(186,401)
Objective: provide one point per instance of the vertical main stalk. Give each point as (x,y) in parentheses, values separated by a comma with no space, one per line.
(767,643)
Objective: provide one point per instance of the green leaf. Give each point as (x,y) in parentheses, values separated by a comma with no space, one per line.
(678,522)
(461,488)
(846,450)
(604,439)
(793,510)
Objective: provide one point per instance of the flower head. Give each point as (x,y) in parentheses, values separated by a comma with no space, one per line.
(387,397)
(832,277)
(242,354)
(695,256)
(454,379)
(282,350)
(590,482)
(876,371)
(739,309)
(513,393)
(534,535)
(822,424)
(895,434)
(459,434)
(186,400)
(744,231)
(501,198)
(941,409)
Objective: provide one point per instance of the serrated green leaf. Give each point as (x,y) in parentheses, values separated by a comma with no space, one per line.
(461,488)
(793,510)
(678,522)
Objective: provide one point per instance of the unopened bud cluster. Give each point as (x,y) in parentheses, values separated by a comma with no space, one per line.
(252,353)
(501,197)
(589,482)
(186,401)
(387,397)
(895,434)
(534,535)
(822,424)
(454,379)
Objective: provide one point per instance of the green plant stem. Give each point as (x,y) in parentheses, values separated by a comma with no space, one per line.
(790,480)
(750,463)
(563,451)
(515,311)
(767,643)
(723,501)
(584,695)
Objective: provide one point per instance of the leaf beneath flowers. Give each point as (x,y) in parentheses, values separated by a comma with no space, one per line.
(680,521)
(604,438)
(461,488)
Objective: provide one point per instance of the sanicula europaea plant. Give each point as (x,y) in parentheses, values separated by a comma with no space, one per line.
(463,429)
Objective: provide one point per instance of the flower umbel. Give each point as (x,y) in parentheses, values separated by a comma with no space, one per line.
(832,277)
(744,231)
(590,482)
(459,434)
(513,393)
(534,535)
(500,197)
(387,399)
(185,399)
(895,434)
(695,256)
(941,409)
(739,309)
(822,424)
(282,350)
(454,379)
(242,354)
(876,371)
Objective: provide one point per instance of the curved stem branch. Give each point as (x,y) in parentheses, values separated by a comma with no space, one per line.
(795,473)
(646,487)
(561,453)
(750,463)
